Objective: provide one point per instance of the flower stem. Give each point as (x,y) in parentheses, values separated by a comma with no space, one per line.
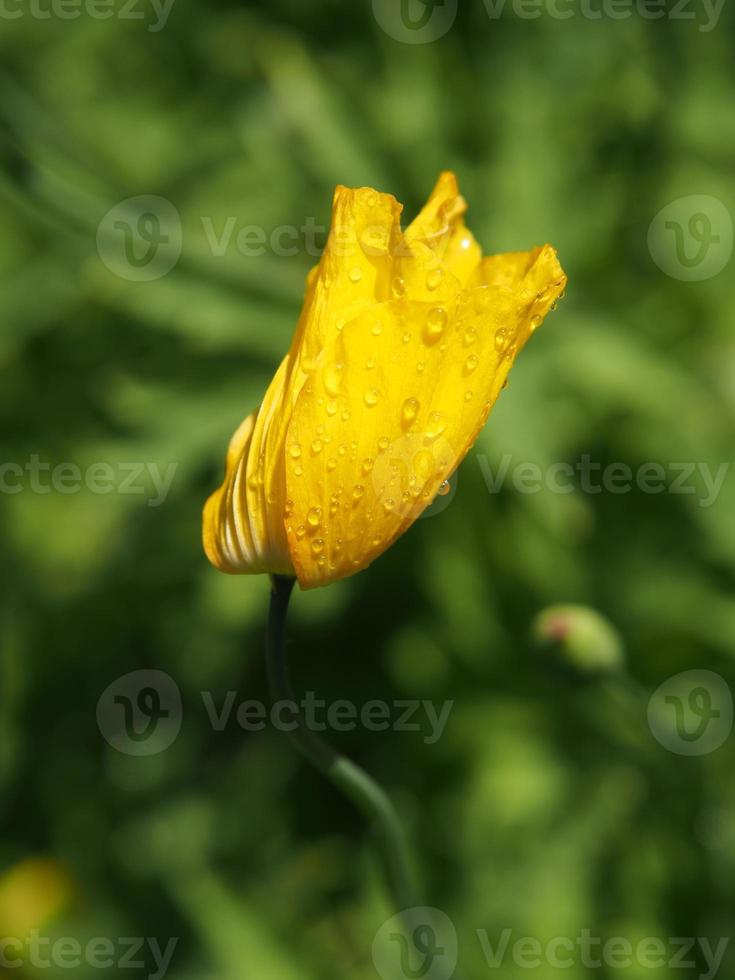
(364,792)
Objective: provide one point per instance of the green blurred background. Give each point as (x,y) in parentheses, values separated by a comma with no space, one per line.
(547,806)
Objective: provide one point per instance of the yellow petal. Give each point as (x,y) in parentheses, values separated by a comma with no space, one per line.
(439,229)
(412,398)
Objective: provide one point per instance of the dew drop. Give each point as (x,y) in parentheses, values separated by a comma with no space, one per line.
(370,363)
(358,491)
(295,450)
(471,363)
(468,396)
(420,367)
(331,408)
(444,488)
(317,446)
(367,464)
(398,287)
(437,425)
(409,411)
(501,339)
(469,336)
(300,531)
(298,469)
(345,415)
(333,379)
(314,517)
(377,329)
(331,463)
(288,508)
(434,278)
(317,546)
(383,443)
(535,322)
(436,324)
(355,274)
(371,397)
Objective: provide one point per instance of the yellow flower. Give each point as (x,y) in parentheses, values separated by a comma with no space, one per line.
(402,347)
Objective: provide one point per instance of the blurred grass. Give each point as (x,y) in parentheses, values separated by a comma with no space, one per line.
(547,807)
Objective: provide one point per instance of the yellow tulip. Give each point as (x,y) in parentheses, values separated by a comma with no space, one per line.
(404,342)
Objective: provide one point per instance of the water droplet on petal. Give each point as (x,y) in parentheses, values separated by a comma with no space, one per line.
(367,464)
(437,425)
(436,323)
(295,450)
(345,415)
(331,463)
(377,329)
(370,363)
(300,531)
(355,274)
(409,411)
(469,336)
(317,546)
(501,339)
(398,287)
(371,397)
(434,278)
(331,408)
(317,446)
(333,379)
(314,517)
(383,443)
(536,322)
(358,492)
(444,488)
(471,363)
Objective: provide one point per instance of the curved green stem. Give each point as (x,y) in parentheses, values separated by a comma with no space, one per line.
(365,793)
